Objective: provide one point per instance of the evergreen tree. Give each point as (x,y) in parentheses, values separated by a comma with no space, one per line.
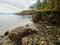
(39,4)
(36,5)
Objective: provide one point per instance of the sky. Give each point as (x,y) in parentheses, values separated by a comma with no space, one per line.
(12,6)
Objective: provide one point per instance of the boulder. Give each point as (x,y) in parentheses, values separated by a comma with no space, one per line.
(21,32)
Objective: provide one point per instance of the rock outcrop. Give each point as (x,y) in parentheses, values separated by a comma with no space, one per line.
(50,13)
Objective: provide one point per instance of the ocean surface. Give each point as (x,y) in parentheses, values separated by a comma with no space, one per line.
(11,21)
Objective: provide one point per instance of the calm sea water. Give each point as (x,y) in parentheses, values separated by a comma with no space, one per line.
(11,21)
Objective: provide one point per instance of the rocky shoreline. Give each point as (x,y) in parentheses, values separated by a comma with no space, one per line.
(5,40)
(46,35)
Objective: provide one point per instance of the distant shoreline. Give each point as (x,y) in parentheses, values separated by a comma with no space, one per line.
(25,12)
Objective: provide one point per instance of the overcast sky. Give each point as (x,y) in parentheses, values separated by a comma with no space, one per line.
(8,6)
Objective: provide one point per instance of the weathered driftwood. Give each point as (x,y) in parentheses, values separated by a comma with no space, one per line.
(21,32)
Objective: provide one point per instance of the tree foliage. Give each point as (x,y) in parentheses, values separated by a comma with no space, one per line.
(38,4)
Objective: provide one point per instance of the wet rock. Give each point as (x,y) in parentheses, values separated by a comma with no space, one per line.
(1,43)
(20,33)
(31,20)
(27,25)
(2,36)
(6,33)
(6,38)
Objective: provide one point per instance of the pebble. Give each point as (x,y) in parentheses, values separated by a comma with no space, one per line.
(43,43)
(6,33)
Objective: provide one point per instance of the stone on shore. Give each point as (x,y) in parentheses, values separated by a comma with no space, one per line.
(6,33)
(21,32)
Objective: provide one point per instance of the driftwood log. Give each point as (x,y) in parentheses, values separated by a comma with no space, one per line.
(20,32)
